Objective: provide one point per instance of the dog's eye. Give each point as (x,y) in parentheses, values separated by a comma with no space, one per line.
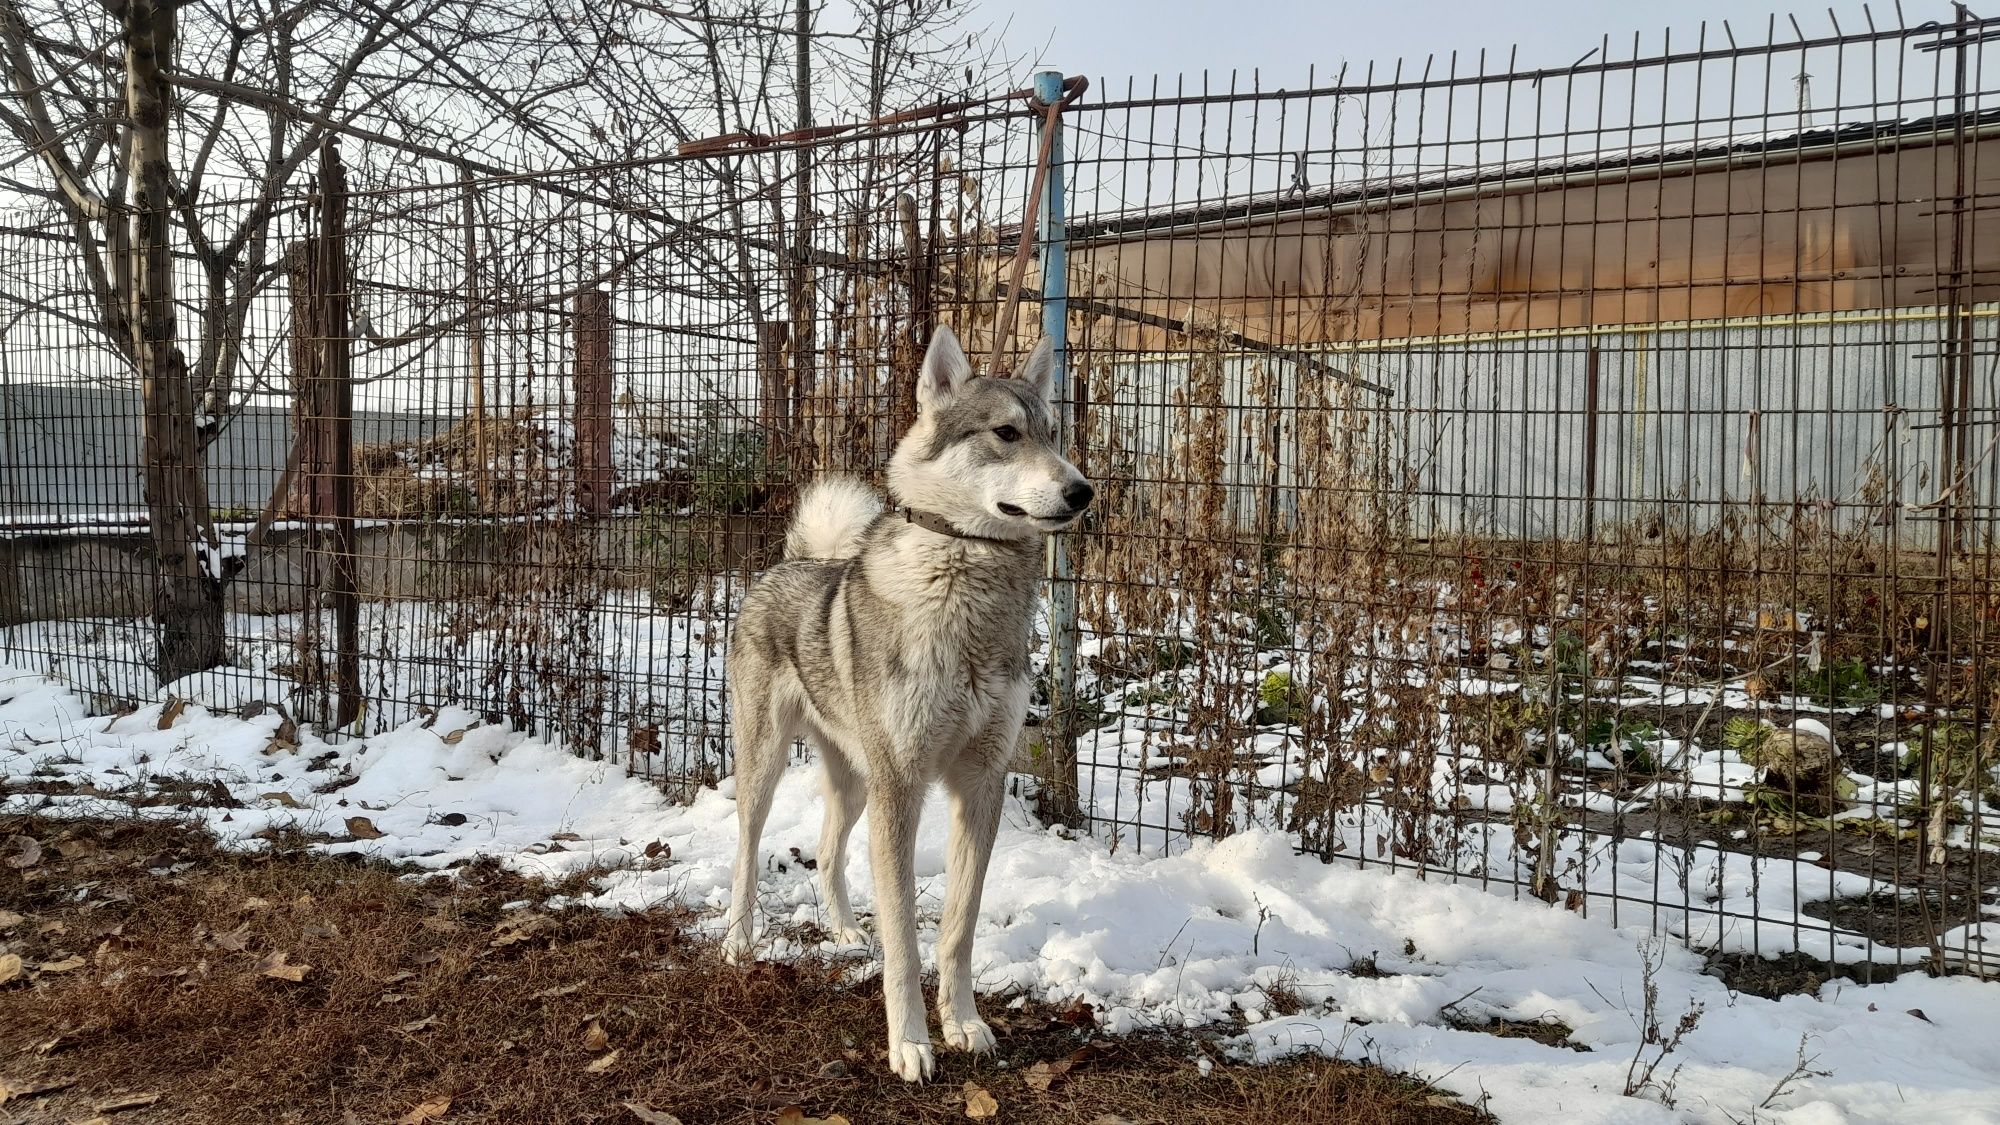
(1007,433)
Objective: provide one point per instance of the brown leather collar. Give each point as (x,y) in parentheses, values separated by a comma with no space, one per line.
(931,521)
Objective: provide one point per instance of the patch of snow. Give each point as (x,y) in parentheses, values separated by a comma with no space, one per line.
(1195,937)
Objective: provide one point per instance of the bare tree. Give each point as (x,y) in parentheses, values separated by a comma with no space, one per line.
(751,68)
(169,140)
(160,132)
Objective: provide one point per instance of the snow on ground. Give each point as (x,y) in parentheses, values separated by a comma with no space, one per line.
(1203,936)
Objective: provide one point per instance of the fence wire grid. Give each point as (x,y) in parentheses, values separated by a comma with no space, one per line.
(1580,481)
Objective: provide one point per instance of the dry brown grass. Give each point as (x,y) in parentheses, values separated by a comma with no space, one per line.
(389,486)
(427,988)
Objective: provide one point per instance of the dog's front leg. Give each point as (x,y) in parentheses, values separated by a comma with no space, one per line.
(977,782)
(978,789)
(894,804)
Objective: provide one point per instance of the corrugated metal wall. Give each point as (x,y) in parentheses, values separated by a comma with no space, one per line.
(1490,436)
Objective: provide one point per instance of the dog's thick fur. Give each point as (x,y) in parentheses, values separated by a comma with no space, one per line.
(900,650)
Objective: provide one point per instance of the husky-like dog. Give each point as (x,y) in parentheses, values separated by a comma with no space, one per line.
(897,643)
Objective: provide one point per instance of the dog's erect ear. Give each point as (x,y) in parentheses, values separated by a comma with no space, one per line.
(1040,370)
(945,369)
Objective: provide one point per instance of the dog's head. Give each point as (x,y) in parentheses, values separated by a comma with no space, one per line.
(983,452)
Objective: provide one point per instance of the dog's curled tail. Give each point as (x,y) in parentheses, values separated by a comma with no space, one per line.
(829,518)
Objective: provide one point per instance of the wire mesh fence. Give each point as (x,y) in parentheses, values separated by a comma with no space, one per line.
(1579,481)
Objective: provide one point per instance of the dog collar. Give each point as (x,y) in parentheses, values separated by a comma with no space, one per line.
(931,521)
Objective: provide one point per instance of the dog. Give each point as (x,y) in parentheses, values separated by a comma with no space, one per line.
(896,641)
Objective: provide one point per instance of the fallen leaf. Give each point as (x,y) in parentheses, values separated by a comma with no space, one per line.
(388,998)
(1042,1075)
(659,849)
(650,1116)
(273,965)
(23,852)
(427,1111)
(1076,1013)
(452,819)
(979,1103)
(452,738)
(793,1115)
(62,966)
(418,1025)
(603,1062)
(127,1101)
(520,927)
(1919,1013)
(10,967)
(399,977)
(172,711)
(234,941)
(565,836)
(32,1090)
(595,1038)
(361,828)
(283,798)
(1112,1119)
(254,902)
(9,919)
(558,990)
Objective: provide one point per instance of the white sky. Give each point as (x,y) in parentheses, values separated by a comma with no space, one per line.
(1283,38)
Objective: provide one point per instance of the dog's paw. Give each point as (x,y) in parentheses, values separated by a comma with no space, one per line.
(968,1035)
(912,1062)
(738,952)
(850,935)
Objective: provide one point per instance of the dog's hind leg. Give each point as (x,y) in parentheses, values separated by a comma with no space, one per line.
(760,762)
(845,798)
(894,804)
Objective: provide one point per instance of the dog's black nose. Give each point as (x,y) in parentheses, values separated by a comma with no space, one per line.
(1078,496)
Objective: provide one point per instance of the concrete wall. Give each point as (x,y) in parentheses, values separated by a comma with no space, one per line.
(73,574)
(72,449)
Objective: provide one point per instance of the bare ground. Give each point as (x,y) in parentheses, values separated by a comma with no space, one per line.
(161,979)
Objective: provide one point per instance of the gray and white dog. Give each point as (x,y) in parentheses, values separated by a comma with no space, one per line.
(897,643)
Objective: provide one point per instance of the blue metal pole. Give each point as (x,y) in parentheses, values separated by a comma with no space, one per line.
(1052,235)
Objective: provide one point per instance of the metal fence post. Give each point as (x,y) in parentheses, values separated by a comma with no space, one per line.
(1058,799)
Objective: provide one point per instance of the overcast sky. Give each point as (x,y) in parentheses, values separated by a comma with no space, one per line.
(1283,38)
(1142,158)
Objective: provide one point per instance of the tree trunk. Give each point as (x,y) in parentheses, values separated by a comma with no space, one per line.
(187,599)
(595,478)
